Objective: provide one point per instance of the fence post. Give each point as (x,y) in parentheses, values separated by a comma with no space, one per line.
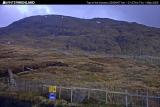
(126,98)
(60,92)
(106,96)
(147,105)
(71,94)
(42,87)
(22,68)
(88,96)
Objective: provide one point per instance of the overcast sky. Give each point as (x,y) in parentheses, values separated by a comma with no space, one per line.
(144,14)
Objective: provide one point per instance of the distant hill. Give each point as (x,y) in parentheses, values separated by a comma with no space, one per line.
(101,35)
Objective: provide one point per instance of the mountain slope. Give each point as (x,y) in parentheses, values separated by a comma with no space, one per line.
(101,35)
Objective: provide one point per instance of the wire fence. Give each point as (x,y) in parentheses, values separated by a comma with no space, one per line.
(141,58)
(119,97)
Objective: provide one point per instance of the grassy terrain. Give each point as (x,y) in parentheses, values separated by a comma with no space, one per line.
(73,68)
(78,69)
